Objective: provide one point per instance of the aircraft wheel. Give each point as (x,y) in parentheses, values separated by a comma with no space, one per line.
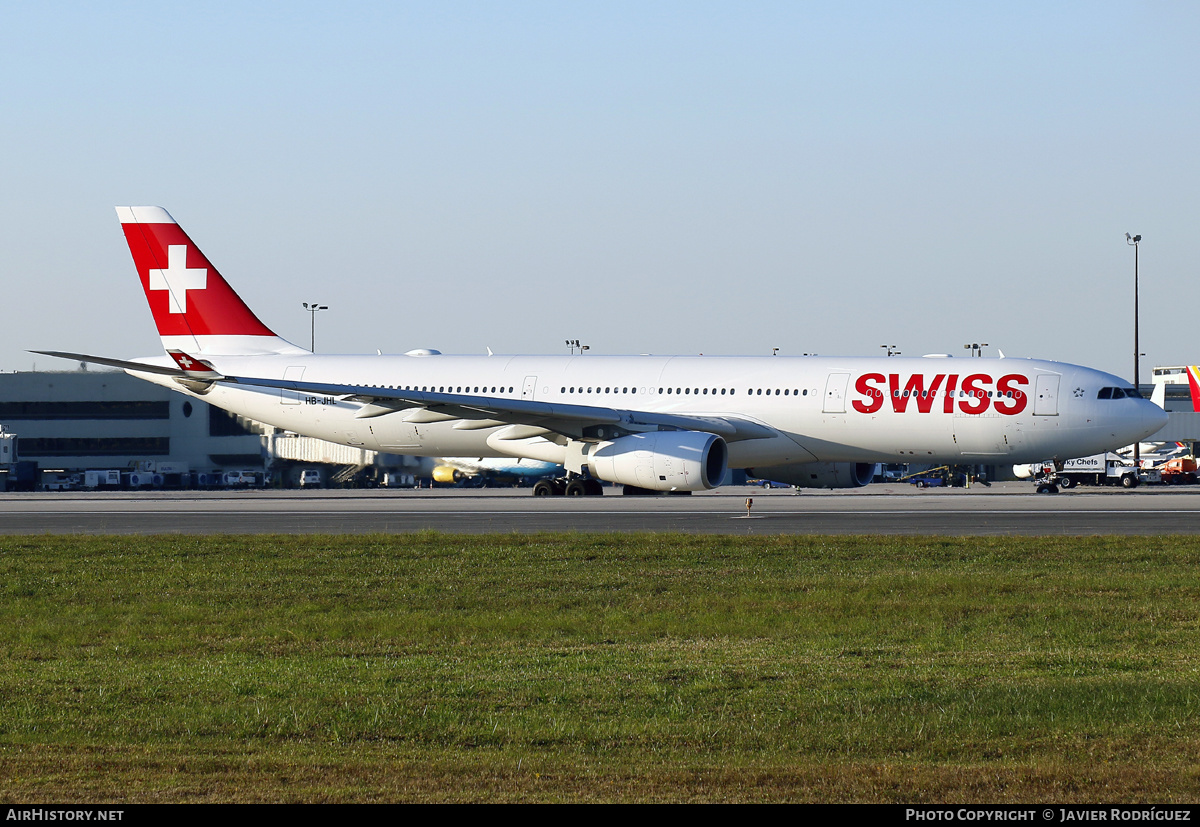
(594,488)
(577,488)
(543,488)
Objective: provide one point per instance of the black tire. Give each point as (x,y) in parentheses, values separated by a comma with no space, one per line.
(543,488)
(1047,488)
(1129,481)
(920,483)
(594,488)
(577,488)
(1066,482)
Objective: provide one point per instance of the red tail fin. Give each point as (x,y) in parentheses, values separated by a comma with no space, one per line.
(194,308)
(1194,383)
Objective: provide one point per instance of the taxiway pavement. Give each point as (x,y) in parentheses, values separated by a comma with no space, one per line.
(1003,508)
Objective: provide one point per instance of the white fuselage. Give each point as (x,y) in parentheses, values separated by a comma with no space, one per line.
(824,409)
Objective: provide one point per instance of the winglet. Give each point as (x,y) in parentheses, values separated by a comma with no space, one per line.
(194,367)
(1159,395)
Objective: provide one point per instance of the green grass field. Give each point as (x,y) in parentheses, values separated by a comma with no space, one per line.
(599,668)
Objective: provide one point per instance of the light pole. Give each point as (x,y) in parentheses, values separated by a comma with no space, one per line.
(1133,241)
(312,328)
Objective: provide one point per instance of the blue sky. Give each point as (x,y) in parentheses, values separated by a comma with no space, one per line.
(666,177)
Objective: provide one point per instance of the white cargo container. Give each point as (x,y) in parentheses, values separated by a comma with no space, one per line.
(102,479)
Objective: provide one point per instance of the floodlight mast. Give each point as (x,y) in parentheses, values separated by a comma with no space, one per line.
(1134,241)
(312,331)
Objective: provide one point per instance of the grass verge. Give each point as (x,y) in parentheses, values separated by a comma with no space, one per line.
(599,668)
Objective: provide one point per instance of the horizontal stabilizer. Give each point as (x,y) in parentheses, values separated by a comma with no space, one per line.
(123,364)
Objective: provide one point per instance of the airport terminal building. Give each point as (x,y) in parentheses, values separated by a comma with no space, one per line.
(72,422)
(98,420)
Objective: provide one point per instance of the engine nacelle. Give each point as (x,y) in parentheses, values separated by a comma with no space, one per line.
(819,474)
(662,460)
(1029,470)
(447,474)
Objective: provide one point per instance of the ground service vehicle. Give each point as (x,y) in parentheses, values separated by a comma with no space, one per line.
(1098,469)
(1179,471)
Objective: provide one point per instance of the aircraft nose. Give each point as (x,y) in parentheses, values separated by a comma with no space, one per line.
(1151,417)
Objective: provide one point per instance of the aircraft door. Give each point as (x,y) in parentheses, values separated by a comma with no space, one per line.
(1045,399)
(295,373)
(528,388)
(835,392)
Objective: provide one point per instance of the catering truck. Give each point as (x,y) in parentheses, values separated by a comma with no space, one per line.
(1098,469)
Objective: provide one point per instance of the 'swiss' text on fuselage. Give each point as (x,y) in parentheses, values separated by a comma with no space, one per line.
(974,394)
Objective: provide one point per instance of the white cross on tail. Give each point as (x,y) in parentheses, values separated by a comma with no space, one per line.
(177,279)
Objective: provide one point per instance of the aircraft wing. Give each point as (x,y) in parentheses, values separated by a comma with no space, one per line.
(574,421)
(488,411)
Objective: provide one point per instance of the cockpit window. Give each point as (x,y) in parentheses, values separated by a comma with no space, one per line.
(1118,393)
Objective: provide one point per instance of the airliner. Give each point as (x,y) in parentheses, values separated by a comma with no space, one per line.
(649,423)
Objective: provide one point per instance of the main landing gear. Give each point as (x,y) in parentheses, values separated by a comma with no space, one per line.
(568,487)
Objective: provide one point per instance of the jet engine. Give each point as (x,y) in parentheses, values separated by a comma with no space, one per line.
(818,474)
(447,474)
(662,460)
(1029,470)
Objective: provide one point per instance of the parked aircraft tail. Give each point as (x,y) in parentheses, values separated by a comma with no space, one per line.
(195,309)
(1194,383)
